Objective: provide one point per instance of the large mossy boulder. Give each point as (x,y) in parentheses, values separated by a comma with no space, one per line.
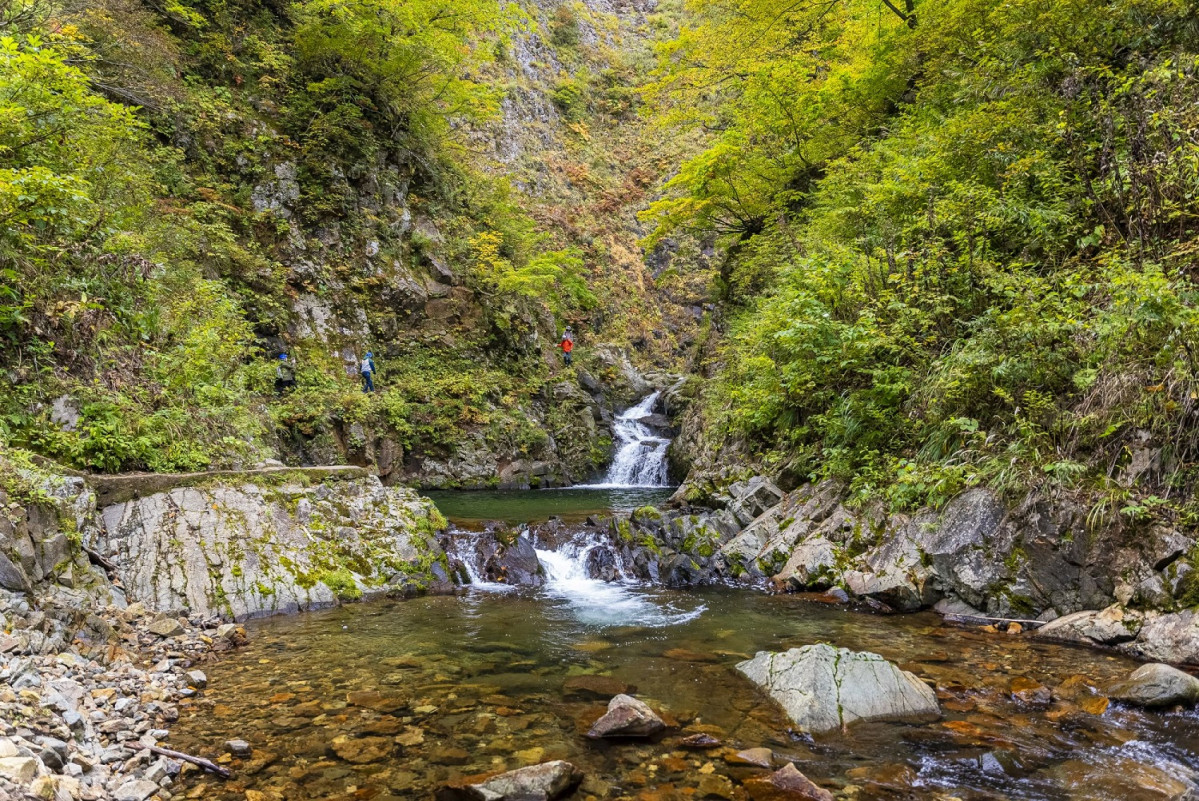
(823,688)
(243,550)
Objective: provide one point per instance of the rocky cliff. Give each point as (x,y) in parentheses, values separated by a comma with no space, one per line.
(241,550)
(980,556)
(236,547)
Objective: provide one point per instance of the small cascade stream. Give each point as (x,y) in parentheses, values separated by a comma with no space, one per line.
(640,459)
(491,678)
(598,603)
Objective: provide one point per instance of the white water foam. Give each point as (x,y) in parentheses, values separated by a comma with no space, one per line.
(462,550)
(603,604)
(640,459)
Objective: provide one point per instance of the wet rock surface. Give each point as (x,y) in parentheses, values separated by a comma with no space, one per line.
(786,783)
(627,717)
(1157,685)
(823,688)
(543,782)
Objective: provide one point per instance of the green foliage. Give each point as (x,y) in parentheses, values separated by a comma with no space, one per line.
(138,282)
(564,26)
(974,232)
(554,277)
(570,98)
(394,64)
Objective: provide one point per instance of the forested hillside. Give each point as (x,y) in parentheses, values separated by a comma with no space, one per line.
(960,242)
(918,248)
(192,189)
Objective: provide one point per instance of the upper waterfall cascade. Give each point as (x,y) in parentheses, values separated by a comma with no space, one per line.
(640,459)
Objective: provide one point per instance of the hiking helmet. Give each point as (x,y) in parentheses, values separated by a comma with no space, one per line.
(283,356)
(369,354)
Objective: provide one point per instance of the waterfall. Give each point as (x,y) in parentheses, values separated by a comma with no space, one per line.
(586,580)
(640,459)
(460,548)
(602,604)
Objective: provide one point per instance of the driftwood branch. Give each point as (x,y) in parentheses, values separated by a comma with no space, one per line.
(976,619)
(97,559)
(206,764)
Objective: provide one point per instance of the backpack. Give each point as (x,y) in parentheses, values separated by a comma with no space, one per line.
(366,366)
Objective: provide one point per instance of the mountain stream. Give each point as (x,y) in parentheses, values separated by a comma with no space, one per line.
(394,699)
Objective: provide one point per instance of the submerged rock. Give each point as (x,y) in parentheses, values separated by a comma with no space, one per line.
(1157,685)
(758,757)
(596,687)
(543,782)
(700,742)
(627,717)
(785,783)
(824,688)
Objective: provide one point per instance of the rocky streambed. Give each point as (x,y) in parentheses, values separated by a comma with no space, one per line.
(424,697)
(118,658)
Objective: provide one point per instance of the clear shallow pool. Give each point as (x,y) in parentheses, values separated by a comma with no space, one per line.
(394,698)
(518,506)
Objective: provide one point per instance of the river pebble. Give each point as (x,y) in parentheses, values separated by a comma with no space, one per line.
(77,717)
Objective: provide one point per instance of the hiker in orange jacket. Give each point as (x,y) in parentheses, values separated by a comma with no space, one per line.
(567,344)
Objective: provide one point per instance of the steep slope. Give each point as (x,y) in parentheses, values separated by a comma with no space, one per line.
(240,180)
(958,247)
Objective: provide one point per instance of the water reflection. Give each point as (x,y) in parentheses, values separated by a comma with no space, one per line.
(519,506)
(392,699)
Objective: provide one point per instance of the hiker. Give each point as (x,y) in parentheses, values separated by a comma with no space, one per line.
(285,374)
(367,369)
(567,344)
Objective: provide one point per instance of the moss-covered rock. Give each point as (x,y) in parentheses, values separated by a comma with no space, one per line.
(245,550)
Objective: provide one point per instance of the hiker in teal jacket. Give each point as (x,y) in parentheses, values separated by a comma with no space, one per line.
(367,368)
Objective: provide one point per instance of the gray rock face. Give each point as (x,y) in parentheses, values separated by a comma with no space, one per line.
(39,540)
(627,717)
(1157,685)
(749,499)
(247,550)
(543,782)
(1167,638)
(823,688)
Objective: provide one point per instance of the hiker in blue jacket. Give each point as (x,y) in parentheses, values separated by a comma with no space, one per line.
(368,371)
(285,374)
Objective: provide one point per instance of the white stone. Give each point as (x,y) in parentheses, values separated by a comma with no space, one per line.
(824,688)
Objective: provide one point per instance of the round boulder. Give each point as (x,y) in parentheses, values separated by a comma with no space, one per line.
(1157,685)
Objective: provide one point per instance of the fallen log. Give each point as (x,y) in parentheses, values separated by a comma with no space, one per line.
(201,762)
(973,620)
(98,559)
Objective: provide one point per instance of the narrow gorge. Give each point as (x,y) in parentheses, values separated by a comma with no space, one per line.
(606,400)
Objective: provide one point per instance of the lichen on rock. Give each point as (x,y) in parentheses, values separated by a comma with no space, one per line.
(247,550)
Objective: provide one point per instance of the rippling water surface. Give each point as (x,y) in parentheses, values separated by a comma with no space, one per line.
(392,699)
